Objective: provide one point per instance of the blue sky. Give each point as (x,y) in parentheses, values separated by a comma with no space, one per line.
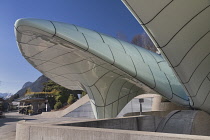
(105,16)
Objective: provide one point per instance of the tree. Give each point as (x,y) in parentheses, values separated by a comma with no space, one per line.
(58,105)
(121,36)
(60,94)
(71,99)
(83,93)
(144,41)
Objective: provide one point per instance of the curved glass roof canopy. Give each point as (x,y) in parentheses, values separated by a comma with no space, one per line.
(110,70)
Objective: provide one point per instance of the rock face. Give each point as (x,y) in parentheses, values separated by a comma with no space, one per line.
(36,86)
(27,84)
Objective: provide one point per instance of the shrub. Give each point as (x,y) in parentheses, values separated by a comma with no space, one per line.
(58,105)
(83,93)
(71,99)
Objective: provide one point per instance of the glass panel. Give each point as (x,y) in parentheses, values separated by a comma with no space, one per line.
(100,49)
(123,62)
(66,32)
(90,33)
(112,42)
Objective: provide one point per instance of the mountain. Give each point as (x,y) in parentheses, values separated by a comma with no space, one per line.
(5,95)
(36,86)
(27,84)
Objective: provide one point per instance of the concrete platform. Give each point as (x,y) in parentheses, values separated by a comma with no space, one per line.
(128,128)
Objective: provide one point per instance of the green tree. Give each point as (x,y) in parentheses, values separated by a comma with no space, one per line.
(58,105)
(83,93)
(60,94)
(71,99)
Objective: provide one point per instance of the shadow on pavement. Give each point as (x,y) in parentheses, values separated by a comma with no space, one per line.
(5,120)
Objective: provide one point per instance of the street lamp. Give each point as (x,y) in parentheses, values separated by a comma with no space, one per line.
(140,102)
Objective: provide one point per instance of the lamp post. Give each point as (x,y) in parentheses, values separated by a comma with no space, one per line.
(46,101)
(140,102)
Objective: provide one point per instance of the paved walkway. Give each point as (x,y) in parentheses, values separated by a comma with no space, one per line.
(8,124)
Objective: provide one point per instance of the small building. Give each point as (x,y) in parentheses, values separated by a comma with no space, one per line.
(36,102)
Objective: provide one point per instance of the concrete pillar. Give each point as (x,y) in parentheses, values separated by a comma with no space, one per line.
(156,101)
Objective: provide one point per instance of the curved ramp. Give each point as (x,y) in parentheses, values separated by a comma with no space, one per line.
(61,113)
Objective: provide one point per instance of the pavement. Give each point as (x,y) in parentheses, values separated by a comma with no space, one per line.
(8,123)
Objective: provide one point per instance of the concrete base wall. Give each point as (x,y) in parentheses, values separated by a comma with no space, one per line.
(129,128)
(26,131)
(144,123)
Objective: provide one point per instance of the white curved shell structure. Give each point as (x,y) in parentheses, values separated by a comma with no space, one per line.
(181,31)
(110,70)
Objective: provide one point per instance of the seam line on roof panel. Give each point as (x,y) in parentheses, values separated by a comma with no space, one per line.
(101,37)
(155,60)
(191,48)
(29,30)
(54,28)
(94,100)
(139,19)
(121,45)
(34,44)
(205,99)
(140,54)
(134,67)
(22,34)
(158,13)
(185,25)
(65,65)
(120,93)
(62,76)
(110,86)
(112,54)
(181,98)
(99,93)
(100,78)
(170,86)
(41,51)
(75,27)
(153,78)
(196,69)
(208,77)
(201,85)
(121,98)
(86,42)
(51,59)
(130,92)
(116,100)
(96,66)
